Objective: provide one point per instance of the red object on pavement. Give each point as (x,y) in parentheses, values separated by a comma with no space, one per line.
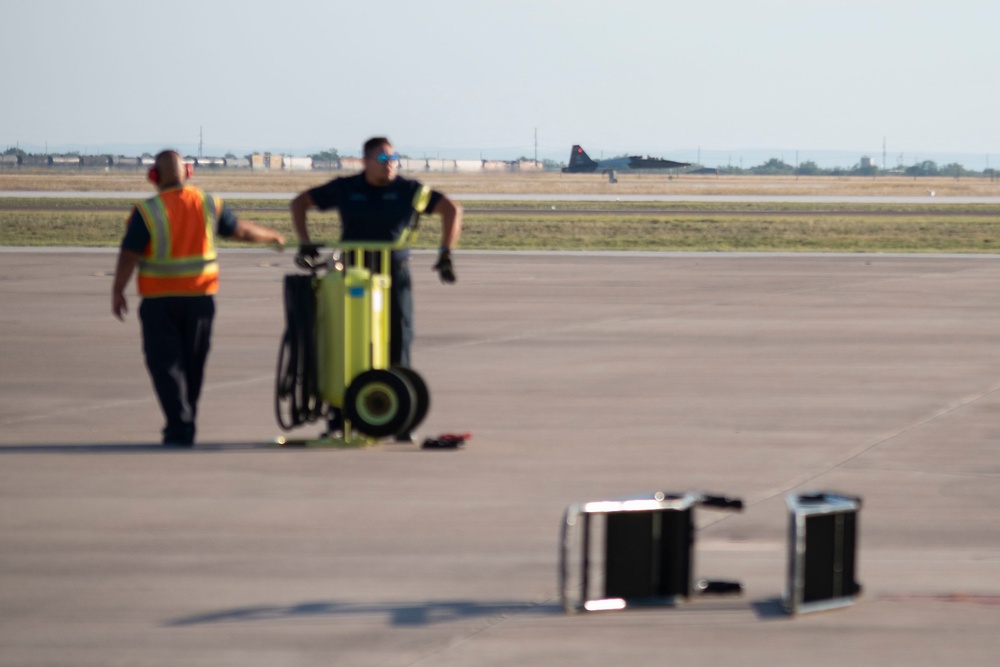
(447,441)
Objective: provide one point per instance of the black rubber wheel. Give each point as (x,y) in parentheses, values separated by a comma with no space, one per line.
(422,394)
(379,403)
(282,390)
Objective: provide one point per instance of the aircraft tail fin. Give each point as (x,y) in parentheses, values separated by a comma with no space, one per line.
(580,161)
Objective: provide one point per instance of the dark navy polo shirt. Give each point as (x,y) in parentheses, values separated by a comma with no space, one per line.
(369,212)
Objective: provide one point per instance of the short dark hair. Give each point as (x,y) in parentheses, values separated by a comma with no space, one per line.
(374,144)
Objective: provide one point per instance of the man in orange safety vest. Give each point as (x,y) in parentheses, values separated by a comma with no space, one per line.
(171,239)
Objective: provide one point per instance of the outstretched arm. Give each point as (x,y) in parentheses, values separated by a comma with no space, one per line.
(300,206)
(451,221)
(451,231)
(127,261)
(254,233)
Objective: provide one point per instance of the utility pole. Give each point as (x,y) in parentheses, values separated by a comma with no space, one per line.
(201,136)
(536,146)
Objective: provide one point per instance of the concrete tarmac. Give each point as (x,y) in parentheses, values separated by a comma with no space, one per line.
(581,376)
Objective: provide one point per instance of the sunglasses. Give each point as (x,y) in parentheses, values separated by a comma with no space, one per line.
(385,157)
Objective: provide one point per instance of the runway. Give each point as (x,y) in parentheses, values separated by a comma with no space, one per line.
(581,376)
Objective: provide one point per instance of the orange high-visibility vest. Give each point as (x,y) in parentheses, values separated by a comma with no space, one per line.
(181,258)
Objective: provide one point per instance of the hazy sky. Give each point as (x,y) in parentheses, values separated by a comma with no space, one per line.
(464,77)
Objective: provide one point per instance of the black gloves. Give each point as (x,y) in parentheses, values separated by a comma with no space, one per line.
(443,266)
(307,255)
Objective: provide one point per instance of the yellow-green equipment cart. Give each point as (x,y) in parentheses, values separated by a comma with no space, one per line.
(334,357)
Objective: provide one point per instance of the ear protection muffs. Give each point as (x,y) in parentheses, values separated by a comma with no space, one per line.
(154,174)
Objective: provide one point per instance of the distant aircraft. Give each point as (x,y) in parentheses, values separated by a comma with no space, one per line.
(581,163)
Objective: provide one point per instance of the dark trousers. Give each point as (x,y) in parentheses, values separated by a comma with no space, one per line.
(176,334)
(400,314)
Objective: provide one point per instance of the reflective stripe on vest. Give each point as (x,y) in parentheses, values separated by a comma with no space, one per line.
(421,198)
(181,258)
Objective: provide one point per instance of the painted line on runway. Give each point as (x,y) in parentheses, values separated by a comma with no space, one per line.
(830,466)
(128,402)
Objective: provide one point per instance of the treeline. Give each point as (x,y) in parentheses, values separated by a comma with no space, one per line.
(778,167)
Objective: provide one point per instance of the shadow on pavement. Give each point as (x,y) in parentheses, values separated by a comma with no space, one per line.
(399,614)
(448,611)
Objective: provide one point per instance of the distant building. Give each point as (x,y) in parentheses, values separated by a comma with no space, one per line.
(213,162)
(326,165)
(496,165)
(96,161)
(64,161)
(290,163)
(352,164)
(34,161)
(272,162)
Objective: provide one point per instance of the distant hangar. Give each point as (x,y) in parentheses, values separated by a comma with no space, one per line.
(264,162)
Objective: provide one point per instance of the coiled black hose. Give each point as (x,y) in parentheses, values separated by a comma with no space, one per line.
(296,386)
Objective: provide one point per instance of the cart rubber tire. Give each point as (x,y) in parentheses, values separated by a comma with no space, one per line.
(380,403)
(422,394)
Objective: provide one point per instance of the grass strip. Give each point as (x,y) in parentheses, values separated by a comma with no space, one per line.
(496,231)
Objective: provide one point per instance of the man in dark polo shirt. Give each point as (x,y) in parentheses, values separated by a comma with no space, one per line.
(378,205)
